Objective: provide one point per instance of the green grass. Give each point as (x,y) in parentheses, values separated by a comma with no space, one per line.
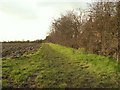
(56,66)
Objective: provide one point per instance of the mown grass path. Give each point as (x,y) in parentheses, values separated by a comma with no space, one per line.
(55,66)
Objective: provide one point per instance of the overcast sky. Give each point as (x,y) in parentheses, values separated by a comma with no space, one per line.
(31,19)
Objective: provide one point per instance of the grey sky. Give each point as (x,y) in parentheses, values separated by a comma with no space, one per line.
(31,19)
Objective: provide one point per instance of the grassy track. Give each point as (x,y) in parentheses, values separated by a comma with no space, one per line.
(55,66)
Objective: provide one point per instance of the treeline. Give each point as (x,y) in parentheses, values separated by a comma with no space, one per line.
(96,30)
(27,41)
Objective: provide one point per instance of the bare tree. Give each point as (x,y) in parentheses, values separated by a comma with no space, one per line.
(66,29)
(95,30)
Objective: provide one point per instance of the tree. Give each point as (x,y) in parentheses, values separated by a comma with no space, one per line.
(102,15)
(65,30)
(95,30)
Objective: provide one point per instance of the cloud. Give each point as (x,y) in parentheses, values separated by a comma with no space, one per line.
(18,8)
(65,0)
(30,19)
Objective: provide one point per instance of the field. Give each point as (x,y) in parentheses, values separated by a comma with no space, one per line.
(56,66)
(18,49)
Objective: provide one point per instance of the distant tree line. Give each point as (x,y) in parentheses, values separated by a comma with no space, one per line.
(96,30)
(27,41)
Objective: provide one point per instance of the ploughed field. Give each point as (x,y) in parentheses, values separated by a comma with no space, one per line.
(56,66)
(14,49)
